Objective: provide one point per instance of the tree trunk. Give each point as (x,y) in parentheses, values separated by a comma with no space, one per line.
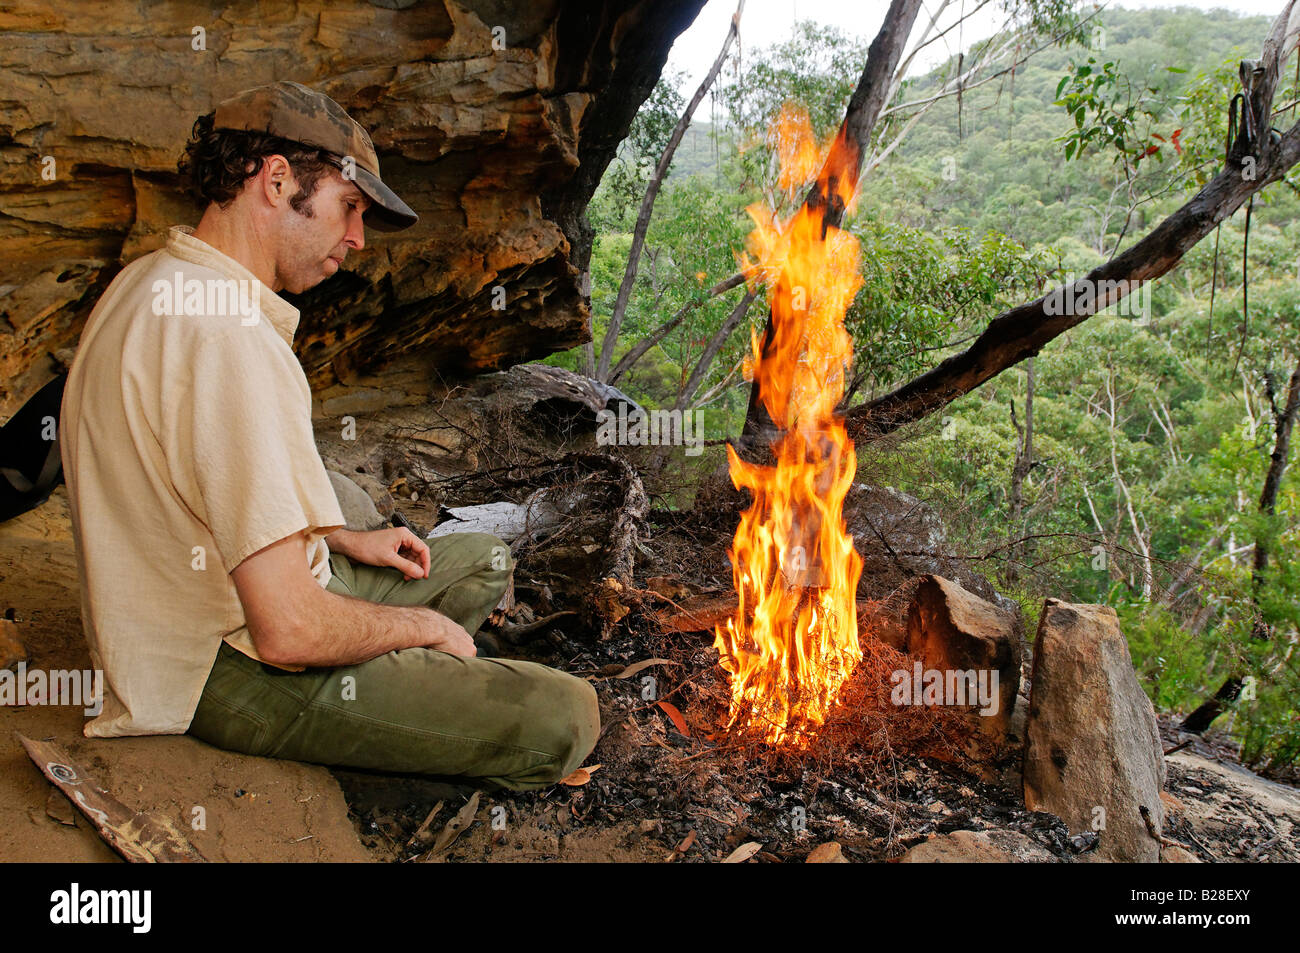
(1283,424)
(1212,708)
(1024,445)
(864,109)
(1019,470)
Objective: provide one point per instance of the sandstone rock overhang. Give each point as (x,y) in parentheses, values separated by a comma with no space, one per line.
(494,119)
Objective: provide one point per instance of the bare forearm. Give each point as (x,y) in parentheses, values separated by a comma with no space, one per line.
(294,621)
(345,630)
(338,541)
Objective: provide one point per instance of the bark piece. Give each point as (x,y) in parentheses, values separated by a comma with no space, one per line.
(12,650)
(538,517)
(1093,755)
(138,837)
(59,808)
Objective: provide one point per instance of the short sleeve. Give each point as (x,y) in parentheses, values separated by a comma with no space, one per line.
(256,469)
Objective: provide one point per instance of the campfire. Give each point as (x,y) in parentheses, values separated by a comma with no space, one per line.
(793,640)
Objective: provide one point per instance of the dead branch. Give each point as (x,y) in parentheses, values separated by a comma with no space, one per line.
(661,332)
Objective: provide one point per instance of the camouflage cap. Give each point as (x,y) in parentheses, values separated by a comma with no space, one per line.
(293,111)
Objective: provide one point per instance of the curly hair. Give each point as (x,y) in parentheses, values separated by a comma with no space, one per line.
(217,163)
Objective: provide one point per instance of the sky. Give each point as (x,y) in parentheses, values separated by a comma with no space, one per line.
(765,22)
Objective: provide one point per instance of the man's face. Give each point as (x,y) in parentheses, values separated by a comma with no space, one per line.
(314,241)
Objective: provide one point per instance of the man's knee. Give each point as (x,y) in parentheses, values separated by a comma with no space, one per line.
(484,550)
(583,729)
(488,553)
(500,562)
(565,725)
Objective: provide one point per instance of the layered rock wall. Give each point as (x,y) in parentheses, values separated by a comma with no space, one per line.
(494,119)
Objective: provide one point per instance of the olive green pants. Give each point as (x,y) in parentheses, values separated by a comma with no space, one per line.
(500,722)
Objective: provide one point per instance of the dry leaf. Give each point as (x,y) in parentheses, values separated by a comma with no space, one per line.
(418,838)
(456,825)
(743,852)
(828,853)
(670,587)
(580,776)
(683,847)
(642,665)
(678,721)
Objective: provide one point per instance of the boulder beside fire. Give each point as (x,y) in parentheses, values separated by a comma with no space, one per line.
(1093,755)
(958,640)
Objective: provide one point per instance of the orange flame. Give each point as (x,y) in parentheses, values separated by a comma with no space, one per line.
(794,641)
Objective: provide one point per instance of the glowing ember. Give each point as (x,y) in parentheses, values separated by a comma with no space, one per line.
(794,640)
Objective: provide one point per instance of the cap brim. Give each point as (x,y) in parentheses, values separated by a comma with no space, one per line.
(387,213)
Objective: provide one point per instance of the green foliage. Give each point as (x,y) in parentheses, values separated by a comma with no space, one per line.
(923,289)
(1270,732)
(1109,116)
(1170,666)
(817,67)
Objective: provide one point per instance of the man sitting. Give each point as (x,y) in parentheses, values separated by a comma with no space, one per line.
(220,594)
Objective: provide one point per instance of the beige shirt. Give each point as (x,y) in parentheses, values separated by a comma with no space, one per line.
(187,446)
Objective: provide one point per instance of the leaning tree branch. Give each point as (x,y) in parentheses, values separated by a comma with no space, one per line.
(870,95)
(962,82)
(711,350)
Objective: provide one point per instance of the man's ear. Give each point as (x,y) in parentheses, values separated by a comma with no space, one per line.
(276,180)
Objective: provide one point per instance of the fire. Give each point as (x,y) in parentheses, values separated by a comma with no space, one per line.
(793,641)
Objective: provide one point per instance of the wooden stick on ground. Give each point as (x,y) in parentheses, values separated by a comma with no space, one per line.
(137,836)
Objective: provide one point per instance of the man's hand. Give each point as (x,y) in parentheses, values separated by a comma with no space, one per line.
(397,547)
(447,635)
